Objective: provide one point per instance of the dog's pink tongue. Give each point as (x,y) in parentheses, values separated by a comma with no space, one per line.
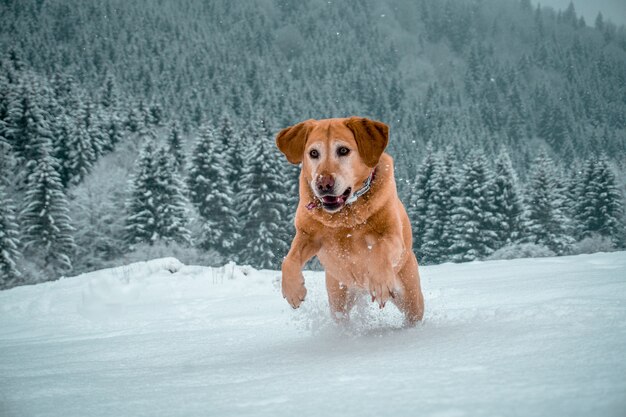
(334,199)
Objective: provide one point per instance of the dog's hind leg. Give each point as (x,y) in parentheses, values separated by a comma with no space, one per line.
(339,299)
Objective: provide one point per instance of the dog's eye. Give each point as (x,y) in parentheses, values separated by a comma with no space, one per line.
(314,154)
(343,151)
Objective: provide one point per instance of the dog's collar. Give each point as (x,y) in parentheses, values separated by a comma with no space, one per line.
(366,187)
(358,193)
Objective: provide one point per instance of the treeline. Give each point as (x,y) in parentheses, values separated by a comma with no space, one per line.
(52,133)
(66,202)
(470,209)
(452,72)
(198,89)
(234,185)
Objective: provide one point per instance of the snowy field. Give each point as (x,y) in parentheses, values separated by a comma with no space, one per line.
(530,337)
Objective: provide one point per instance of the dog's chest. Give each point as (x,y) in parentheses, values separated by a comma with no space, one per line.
(348,255)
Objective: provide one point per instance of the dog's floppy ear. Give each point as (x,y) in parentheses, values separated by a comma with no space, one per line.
(291,140)
(371,138)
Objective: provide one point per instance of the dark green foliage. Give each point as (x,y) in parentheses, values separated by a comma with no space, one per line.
(474,214)
(9,241)
(507,202)
(599,207)
(156,204)
(45,219)
(197,62)
(175,148)
(439,227)
(421,192)
(27,127)
(211,192)
(470,75)
(545,222)
(263,202)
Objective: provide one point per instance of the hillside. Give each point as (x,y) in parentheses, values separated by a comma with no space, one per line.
(457,72)
(523,337)
(126,126)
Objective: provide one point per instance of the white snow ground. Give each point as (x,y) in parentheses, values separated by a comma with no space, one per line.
(530,337)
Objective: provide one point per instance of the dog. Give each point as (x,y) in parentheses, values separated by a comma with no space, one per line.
(350,216)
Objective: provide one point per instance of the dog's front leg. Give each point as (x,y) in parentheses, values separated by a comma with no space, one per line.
(303,248)
(386,253)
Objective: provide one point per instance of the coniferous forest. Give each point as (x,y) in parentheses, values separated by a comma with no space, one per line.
(143,128)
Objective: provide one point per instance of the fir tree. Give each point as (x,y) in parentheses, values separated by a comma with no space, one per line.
(171,209)
(474,215)
(27,126)
(227,137)
(109,95)
(439,229)
(9,242)
(211,193)
(544,222)
(175,146)
(419,198)
(141,205)
(45,217)
(599,209)
(239,147)
(112,131)
(262,200)
(89,120)
(508,204)
(81,156)
(134,120)
(156,205)
(202,169)
(61,147)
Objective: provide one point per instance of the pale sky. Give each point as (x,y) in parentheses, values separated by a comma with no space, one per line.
(613,10)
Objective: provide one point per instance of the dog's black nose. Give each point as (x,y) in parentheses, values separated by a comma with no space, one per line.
(325,183)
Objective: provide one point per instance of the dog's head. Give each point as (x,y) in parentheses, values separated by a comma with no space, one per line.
(337,155)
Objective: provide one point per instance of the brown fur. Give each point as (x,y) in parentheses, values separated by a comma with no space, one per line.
(365,245)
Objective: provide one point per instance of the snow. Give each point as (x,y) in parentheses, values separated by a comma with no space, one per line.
(540,337)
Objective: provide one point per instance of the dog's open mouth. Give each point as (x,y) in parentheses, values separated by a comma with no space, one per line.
(335,202)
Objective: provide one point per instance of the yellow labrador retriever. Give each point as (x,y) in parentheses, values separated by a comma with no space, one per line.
(350,216)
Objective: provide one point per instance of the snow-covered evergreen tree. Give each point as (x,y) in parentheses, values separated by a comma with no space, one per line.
(172,212)
(544,222)
(141,204)
(203,169)
(90,120)
(134,119)
(599,209)
(211,193)
(9,241)
(572,183)
(81,156)
(508,203)
(156,205)
(227,136)
(474,215)
(263,203)
(113,131)
(439,229)
(45,218)
(174,144)
(419,198)
(109,94)
(27,124)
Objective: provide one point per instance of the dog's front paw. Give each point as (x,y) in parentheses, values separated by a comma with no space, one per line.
(381,292)
(294,290)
